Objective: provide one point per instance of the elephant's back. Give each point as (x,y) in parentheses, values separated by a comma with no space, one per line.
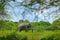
(21,25)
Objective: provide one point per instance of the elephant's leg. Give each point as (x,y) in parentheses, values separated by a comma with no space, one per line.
(19,29)
(26,29)
(32,30)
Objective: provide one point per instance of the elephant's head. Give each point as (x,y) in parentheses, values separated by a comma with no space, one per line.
(29,26)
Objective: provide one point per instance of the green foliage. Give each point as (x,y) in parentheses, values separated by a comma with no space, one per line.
(55,25)
(1,6)
(23,21)
(8,25)
(38,1)
(44,2)
(56,22)
(11,35)
(55,36)
(38,26)
(44,23)
(13,0)
(41,23)
(14,35)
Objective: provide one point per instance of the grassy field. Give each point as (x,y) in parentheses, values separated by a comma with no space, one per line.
(45,35)
(42,31)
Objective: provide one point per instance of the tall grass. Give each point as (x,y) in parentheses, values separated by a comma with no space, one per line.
(15,35)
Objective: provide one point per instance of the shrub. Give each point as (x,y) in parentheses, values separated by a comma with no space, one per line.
(11,36)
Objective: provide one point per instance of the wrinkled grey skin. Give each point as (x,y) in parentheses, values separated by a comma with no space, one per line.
(25,27)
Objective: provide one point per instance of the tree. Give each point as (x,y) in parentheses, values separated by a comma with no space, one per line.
(55,25)
(56,22)
(3,14)
(43,5)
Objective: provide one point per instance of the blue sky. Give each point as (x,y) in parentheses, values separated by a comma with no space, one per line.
(17,10)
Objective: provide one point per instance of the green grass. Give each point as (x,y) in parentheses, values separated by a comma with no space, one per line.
(46,35)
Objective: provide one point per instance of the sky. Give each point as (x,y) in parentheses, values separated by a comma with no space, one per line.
(15,11)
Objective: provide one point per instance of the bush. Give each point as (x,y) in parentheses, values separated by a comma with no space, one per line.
(52,37)
(9,35)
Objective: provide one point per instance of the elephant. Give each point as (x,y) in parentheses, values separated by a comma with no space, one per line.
(26,27)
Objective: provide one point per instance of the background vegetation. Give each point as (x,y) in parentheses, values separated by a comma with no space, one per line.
(42,30)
